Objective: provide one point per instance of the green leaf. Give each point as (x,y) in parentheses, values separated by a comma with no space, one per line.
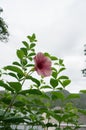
(19,104)
(45,87)
(25,44)
(4,85)
(83,91)
(16,63)
(63,77)
(31,91)
(35,91)
(34,80)
(53,58)
(61,69)
(15,85)
(32,45)
(29,65)
(54,82)
(49,125)
(33,50)
(14,119)
(19,76)
(32,54)
(24,50)
(60,61)
(24,92)
(66,82)
(74,95)
(20,54)
(54,74)
(47,54)
(13,75)
(82,111)
(30,58)
(24,62)
(55,116)
(45,95)
(32,38)
(58,95)
(14,69)
(6,100)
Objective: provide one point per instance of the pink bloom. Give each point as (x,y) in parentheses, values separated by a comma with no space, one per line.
(42,64)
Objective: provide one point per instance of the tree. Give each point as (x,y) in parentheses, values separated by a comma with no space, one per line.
(84,70)
(3,29)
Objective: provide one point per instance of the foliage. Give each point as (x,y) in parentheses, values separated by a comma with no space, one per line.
(33,106)
(3,29)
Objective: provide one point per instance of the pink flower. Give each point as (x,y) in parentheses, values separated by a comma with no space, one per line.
(42,64)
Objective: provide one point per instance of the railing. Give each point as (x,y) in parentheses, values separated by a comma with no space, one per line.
(25,127)
(82,127)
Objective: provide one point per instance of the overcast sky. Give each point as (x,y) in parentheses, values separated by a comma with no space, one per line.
(60,27)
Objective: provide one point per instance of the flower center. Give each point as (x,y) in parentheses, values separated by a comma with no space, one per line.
(40,65)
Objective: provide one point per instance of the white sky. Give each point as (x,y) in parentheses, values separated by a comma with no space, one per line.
(60,27)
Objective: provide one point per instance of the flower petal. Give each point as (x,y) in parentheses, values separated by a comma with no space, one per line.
(42,64)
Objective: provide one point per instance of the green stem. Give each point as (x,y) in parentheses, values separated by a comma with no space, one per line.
(15,95)
(11,103)
(59,124)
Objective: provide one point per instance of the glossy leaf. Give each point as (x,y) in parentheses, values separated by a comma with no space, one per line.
(53,82)
(58,95)
(15,85)
(24,92)
(47,54)
(30,58)
(45,87)
(29,65)
(61,69)
(14,69)
(25,44)
(35,91)
(24,51)
(24,62)
(54,74)
(31,91)
(54,69)
(32,45)
(66,82)
(4,85)
(60,61)
(16,63)
(53,58)
(63,77)
(32,54)
(13,75)
(32,38)
(34,80)
(20,54)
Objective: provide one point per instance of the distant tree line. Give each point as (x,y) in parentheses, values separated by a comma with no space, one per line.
(84,70)
(3,29)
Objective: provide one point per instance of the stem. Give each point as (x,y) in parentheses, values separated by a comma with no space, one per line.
(11,103)
(15,95)
(25,127)
(59,124)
